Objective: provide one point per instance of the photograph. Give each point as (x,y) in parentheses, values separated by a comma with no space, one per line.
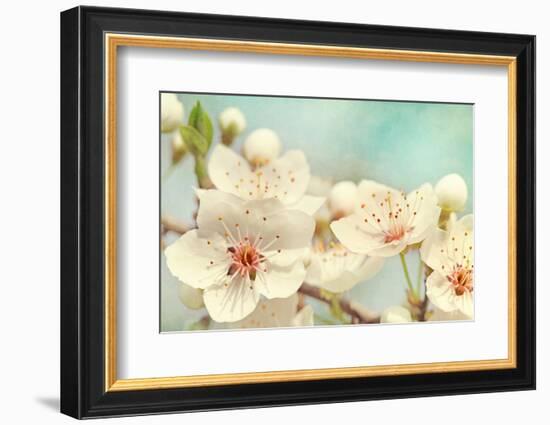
(281,212)
(285,210)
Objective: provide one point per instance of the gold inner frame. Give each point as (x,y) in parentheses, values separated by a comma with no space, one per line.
(113,41)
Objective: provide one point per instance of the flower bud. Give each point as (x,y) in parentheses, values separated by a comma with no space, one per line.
(396,314)
(451,192)
(171,112)
(179,148)
(190,297)
(262,146)
(342,199)
(232,123)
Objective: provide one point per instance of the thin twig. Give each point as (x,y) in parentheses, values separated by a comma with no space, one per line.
(358,313)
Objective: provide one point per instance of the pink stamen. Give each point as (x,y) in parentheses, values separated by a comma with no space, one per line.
(462,279)
(395,233)
(245,260)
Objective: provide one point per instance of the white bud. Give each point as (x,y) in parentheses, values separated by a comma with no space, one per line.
(171,112)
(190,296)
(179,148)
(342,199)
(232,121)
(396,314)
(451,192)
(177,141)
(262,146)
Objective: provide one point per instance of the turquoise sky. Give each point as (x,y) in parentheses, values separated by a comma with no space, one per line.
(401,144)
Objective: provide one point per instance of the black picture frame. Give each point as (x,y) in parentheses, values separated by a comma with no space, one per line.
(83,392)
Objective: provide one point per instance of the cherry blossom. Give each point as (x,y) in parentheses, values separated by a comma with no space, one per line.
(277,313)
(337,269)
(386,220)
(171,112)
(240,251)
(450,254)
(285,179)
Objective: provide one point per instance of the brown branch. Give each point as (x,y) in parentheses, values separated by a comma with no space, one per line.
(170,224)
(358,313)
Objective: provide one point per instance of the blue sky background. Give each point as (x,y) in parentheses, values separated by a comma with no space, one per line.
(401,144)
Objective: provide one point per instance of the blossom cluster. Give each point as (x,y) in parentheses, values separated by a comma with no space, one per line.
(266,226)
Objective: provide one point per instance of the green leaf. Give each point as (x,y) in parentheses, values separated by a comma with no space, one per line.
(194,114)
(336,310)
(194,140)
(199,119)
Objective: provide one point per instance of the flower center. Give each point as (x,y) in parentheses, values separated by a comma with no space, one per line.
(462,280)
(393,215)
(395,233)
(245,260)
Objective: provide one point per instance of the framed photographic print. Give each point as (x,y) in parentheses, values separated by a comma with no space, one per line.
(261,212)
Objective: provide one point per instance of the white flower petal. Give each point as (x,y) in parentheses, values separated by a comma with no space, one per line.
(232,302)
(439,315)
(196,262)
(171,112)
(285,178)
(442,250)
(286,257)
(427,212)
(285,229)
(431,250)
(390,249)
(308,204)
(396,314)
(465,303)
(344,282)
(276,313)
(355,235)
(339,273)
(220,213)
(281,282)
(230,172)
(190,297)
(367,188)
(462,231)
